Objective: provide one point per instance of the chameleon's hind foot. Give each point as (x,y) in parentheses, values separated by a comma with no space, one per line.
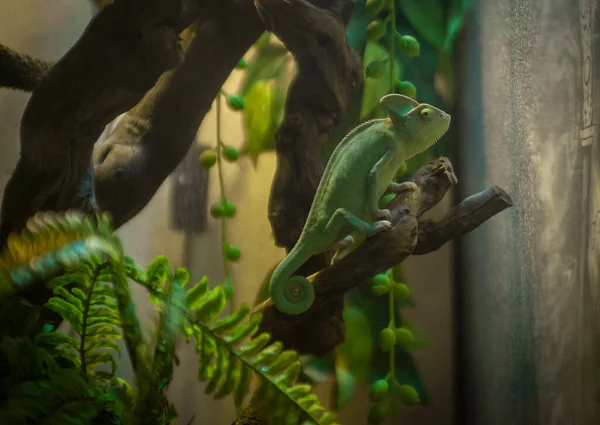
(402,187)
(380,226)
(383,214)
(294,296)
(344,247)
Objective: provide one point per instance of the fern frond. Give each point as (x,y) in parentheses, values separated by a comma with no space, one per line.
(229,349)
(90,309)
(231,353)
(39,387)
(51,241)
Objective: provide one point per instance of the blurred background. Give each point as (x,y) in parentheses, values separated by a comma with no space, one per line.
(507,317)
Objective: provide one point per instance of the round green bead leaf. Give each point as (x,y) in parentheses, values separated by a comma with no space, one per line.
(379,290)
(409,45)
(387,339)
(379,390)
(242,64)
(236,102)
(229,208)
(217,210)
(373,7)
(380,279)
(401,292)
(375,69)
(232,253)
(208,158)
(408,395)
(403,337)
(230,153)
(385,200)
(407,89)
(375,30)
(377,413)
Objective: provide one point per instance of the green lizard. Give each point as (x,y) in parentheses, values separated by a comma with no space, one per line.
(359,172)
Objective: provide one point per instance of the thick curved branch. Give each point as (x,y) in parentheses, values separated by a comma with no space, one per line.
(321,328)
(19,71)
(329,72)
(120,55)
(153,137)
(464,218)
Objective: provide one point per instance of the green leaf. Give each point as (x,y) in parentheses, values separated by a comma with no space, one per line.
(356,29)
(260,119)
(374,89)
(255,345)
(343,387)
(67,311)
(229,322)
(244,331)
(212,306)
(458,11)
(133,270)
(158,271)
(243,386)
(269,63)
(56,338)
(427,17)
(358,346)
(194,295)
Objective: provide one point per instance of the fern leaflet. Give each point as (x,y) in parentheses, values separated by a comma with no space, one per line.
(231,352)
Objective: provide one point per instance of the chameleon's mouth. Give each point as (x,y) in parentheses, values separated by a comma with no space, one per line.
(433,142)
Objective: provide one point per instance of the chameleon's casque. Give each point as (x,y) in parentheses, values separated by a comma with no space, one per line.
(361,169)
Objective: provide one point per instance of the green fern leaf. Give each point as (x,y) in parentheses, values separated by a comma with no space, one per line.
(158,270)
(255,345)
(244,331)
(228,363)
(243,385)
(194,295)
(67,311)
(56,338)
(227,323)
(133,270)
(212,305)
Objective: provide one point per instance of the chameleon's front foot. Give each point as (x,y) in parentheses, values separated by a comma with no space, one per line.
(379,226)
(294,296)
(384,214)
(402,187)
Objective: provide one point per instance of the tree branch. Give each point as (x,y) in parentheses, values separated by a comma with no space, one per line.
(19,71)
(321,328)
(132,42)
(329,72)
(464,218)
(152,138)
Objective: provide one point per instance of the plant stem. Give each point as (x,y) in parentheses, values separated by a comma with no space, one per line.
(392,374)
(392,45)
(223,199)
(224,218)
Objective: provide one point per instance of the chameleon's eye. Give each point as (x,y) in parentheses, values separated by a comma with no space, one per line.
(426,113)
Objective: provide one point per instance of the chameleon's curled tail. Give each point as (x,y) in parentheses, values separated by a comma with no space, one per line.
(292,294)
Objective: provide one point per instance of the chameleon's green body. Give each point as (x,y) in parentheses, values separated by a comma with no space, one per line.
(361,169)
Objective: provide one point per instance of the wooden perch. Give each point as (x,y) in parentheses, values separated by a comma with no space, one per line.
(120,55)
(21,72)
(329,72)
(321,328)
(153,138)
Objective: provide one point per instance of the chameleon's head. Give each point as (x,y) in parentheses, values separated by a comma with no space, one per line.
(421,125)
